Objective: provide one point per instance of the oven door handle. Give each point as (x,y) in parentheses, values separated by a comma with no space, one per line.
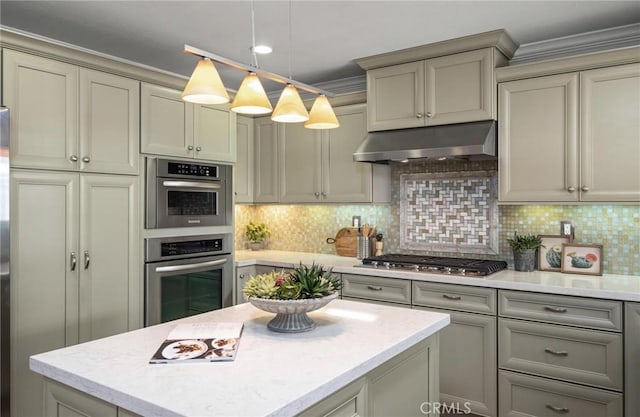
(177,268)
(191,184)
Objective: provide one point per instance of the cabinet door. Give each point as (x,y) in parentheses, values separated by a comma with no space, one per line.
(632,358)
(266,182)
(166,122)
(109,123)
(109,258)
(460,88)
(215,133)
(243,179)
(343,179)
(243,274)
(64,401)
(537,139)
(469,375)
(43,97)
(395,97)
(610,134)
(44,280)
(300,173)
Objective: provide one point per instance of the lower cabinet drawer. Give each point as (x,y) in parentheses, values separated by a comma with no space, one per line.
(577,355)
(523,395)
(455,297)
(377,288)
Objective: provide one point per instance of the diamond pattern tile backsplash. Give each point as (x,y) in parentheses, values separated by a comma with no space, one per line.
(305,227)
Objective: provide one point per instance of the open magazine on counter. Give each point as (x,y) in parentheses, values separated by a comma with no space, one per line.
(200,342)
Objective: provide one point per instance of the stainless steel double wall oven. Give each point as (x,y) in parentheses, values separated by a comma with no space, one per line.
(187,275)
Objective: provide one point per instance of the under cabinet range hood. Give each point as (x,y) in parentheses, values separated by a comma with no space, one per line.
(475,140)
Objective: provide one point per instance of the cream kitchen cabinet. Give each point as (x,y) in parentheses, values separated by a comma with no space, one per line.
(448,89)
(75,266)
(63,401)
(317,166)
(559,136)
(243,172)
(632,358)
(173,127)
(265,145)
(467,375)
(70,118)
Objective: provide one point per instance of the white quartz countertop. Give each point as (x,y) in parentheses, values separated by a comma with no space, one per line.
(613,287)
(274,374)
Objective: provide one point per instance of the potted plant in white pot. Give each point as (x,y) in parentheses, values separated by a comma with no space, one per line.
(524,251)
(256,234)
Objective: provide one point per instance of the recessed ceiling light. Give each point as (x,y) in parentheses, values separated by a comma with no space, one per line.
(262,49)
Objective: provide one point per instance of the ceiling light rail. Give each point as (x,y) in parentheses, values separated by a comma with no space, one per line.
(260,72)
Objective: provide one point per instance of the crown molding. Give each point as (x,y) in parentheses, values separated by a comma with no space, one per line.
(581,43)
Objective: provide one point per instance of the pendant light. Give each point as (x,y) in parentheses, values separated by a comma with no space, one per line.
(322,115)
(251,97)
(205,85)
(290,108)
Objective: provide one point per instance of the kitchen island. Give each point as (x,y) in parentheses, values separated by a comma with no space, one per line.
(361,356)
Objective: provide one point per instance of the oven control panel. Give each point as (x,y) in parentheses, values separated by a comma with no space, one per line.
(190,247)
(192,170)
(159,249)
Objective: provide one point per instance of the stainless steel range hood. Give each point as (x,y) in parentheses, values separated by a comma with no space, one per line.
(475,140)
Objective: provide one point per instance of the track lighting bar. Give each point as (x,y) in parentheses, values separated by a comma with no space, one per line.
(264,74)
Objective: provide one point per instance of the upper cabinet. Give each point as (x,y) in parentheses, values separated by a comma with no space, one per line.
(293,164)
(243,180)
(560,136)
(173,127)
(70,118)
(318,166)
(449,89)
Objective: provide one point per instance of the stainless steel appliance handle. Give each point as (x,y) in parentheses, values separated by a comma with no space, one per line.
(191,184)
(176,268)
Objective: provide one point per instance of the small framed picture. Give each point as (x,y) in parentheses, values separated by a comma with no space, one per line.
(550,253)
(582,259)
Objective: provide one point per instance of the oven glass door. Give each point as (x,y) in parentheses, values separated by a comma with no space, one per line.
(182,288)
(190,203)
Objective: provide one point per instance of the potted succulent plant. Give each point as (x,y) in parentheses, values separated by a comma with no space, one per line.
(524,251)
(256,234)
(293,294)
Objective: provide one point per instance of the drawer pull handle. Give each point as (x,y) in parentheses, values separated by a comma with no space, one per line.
(452,297)
(558,409)
(556,309)
(556,352)
(372,288)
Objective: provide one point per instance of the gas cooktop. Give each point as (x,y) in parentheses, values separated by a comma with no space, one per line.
(435,264)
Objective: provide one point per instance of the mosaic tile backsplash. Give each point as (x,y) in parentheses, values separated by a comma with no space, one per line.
(305,227)
(450,212)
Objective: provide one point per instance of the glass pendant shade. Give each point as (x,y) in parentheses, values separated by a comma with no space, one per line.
(251,97)
(290,108)
(321,115)
(205,85)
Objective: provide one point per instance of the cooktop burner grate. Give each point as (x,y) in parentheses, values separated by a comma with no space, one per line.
(454,266)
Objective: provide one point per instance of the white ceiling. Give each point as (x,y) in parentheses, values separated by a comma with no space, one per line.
(327,35)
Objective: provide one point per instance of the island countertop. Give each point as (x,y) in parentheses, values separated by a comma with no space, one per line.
(273,373)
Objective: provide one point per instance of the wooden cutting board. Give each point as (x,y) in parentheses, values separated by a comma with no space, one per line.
(347,241)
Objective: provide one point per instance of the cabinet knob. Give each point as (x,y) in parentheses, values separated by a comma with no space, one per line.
(86,159)
(242,276)
(585,188)
(190,147)
(73,158)
(317,194)
(419,115)
(571,189)
(323,194)
(198,149)
(429,114)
